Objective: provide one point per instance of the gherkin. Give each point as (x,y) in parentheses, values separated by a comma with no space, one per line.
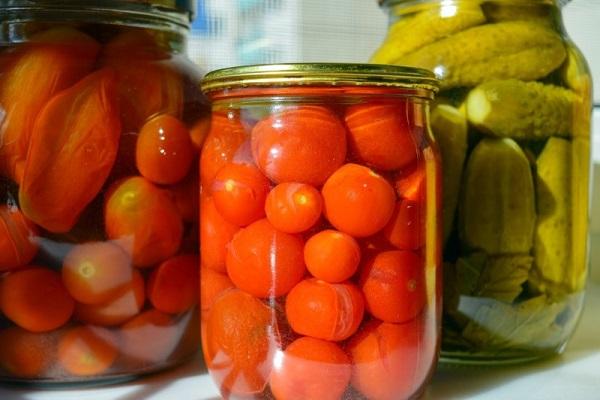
(560,233)
(449,127)
(497,210)
(412,32)
(528,11)
(521,110)
(504,50)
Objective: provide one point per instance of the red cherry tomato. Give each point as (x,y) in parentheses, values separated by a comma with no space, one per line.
(380,135)
(215,235)
(357,200)
(225,136)
(97,272)
(264,261)
(389,361)
(239,192)
(329,311)
(293,207)
(173,285)
(164,150)
(303,144)
(406,229)
(118,311)
(311,369)
(410,183)
(332,256)
(142,218)
(393,284)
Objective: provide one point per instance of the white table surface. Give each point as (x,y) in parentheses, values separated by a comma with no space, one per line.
(574,376)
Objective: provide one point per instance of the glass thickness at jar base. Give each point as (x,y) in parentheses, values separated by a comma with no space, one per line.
(513,128)
(318,217)
(99,255)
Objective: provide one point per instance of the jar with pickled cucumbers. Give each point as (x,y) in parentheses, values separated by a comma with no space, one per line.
(513,124)
(101,122)
(320,242)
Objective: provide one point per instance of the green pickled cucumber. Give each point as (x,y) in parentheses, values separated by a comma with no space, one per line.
(576,75)
(497,210)
(560,234)
(412,32)
(450,130)
(521,110)
(525,11)
(504,50)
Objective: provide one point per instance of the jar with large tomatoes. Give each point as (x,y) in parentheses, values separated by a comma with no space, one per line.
(100,126)
(320,234)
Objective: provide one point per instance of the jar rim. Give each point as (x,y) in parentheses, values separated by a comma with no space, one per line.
(321,74)
(181,12)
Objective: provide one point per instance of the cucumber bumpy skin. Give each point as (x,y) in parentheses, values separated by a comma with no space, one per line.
(521,110)
(560,233)
(412,32)
(497,210)
(450,129)
(504,50)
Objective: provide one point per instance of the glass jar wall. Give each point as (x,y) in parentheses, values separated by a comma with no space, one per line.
(101,122)
(513,124)
(319,232)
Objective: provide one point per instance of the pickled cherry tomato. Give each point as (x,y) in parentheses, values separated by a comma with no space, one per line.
(117,311)
(329,311)
(17,239)
(35,299)
(393,284)
(212,284)
(145,219)
(380,135)
(332,256)
(358,201)
(303,144)
(25,354)
(215,235)
(239,192)
(199,131)
(164,150)
(387,359)
(186,196)
(264,261)
(97,272)
(225,136)
(311,369)
(410,183)
(240,343)
(173,285)
(87,350)
(293,207)
(406,229)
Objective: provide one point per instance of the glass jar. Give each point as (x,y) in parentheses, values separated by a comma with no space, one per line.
(513,124)
(101,123)
(319,232)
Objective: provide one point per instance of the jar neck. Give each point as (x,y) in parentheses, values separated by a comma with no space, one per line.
(19,23)
(547,12)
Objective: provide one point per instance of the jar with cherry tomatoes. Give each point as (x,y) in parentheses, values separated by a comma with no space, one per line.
(101,122)
(320,232)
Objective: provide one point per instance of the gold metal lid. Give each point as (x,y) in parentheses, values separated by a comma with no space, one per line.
(320,74)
